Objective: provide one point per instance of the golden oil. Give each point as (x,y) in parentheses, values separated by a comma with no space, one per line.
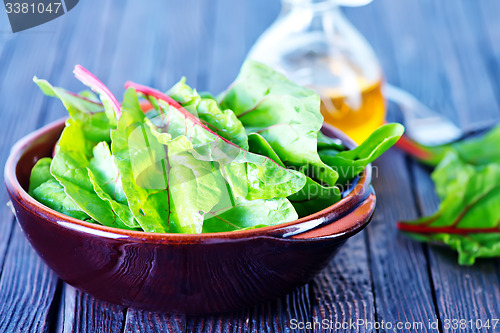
(357,114)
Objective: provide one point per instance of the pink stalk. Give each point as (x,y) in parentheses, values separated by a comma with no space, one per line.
(164,97)
(170,101)
(448,230)
(88,79)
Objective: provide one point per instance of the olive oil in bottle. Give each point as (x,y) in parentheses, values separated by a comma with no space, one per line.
(357,115)
(315,45)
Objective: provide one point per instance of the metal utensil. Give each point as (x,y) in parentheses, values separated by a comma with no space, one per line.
(423,125)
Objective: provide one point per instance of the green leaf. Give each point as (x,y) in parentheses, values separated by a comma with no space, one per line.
(52,195)
(250,176)
(259,145)
(468,218)
(480,150)
(45,189)
(159,173)
(171,157)
(84,109)
(70,168)
(107,183)
(327,143)
(40,173)
(285,114)
(132,142)
(314,197)
(248,214)
(311,198)
(223,122)
(350,163)
(87,126)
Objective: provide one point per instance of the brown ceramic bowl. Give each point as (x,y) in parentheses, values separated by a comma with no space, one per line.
(180,273)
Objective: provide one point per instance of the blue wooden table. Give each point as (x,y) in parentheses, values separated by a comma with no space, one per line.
(447,53)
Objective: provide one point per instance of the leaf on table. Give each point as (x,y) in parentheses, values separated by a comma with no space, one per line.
(285,114)
(482,150)
(468,218)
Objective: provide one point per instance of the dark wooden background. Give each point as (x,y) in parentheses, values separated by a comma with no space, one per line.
(445,52)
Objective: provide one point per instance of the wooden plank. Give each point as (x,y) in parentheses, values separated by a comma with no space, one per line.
(470,83)
(343,291)
(182,43)
(450,38)
(476,91)
(82,47)
(417,62)
(462,292)
(487,13)
(5,212)
(144,321)
(272,316)
(80,312)
(401,282)
(229,49)
(27,288)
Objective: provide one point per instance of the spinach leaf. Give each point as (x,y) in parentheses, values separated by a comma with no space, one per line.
(47,190)
(40,173)
(250,176)
(313,197)
(85,110)
(87,126)
(481,150)
(222,122)
(132,142)
(248,214)
(259,145)
(284,113)
(350,163)
(107,183)
(325,142)
(70,168)
(468,216)
(180,158)
(189,165)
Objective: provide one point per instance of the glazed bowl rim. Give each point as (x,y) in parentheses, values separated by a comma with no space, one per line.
(18,193)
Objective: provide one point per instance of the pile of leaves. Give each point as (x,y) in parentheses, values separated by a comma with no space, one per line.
(184,162)
(467,180)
